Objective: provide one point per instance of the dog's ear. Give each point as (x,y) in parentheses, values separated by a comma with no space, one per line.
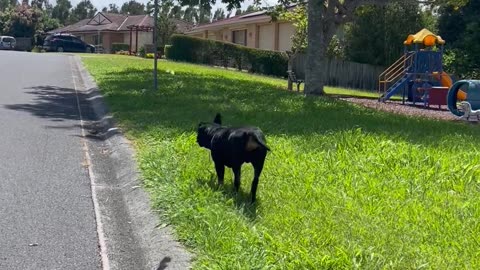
(218,119)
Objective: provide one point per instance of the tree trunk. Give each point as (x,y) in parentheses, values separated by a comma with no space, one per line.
(321,28)
(315,51)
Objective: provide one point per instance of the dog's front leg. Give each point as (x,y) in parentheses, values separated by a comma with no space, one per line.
(220,168)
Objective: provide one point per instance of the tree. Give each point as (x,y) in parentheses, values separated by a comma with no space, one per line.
(205,16)
(378,33)
(4,4)
(298,17)
(459,25)
(324,17)
(22,21)
(176,12)
(133,8)
(38,3)
(191,14)
(166,28)
(112,8)
(82,11)
(252,8)
(219,14)
(61,11)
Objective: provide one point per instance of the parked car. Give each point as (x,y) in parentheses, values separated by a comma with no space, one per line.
(7,43)
(66,43)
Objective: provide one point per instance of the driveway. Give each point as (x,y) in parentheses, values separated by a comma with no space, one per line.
(47,217)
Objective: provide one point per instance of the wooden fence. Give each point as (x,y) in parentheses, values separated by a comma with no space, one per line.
(342,73)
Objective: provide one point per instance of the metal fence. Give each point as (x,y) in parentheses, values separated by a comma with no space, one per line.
(342,73)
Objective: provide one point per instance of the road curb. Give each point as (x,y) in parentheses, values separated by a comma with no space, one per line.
(134,239)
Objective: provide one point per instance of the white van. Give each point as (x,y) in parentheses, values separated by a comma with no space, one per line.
(7,43)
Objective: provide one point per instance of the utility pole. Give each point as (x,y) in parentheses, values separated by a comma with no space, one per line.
(155,44)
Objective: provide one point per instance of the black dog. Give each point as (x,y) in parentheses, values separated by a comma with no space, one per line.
(232,147)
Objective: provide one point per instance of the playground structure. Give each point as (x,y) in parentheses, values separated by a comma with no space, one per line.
(418,74)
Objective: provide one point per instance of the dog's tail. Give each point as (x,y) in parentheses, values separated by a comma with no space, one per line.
(261,141)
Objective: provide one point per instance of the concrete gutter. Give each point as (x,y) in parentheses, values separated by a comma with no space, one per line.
(131,235)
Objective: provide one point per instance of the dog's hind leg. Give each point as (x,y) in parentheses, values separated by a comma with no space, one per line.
(237,171)
(258,167)
(220,168)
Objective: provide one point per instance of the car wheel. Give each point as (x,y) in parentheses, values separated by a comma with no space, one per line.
(89,50)
(60,49)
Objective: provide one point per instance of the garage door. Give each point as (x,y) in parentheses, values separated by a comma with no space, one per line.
(285,33)
(265,37)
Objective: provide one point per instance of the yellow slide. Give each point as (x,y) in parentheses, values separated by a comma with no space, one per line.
(446,81)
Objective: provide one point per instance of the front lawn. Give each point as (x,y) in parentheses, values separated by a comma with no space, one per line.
(344,187)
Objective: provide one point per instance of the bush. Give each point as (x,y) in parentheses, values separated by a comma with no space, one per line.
(142,52)
(166,50)
(38,49)
(210,52)
(123,52)
(120,47)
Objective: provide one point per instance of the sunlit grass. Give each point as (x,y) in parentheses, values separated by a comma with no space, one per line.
(344,187)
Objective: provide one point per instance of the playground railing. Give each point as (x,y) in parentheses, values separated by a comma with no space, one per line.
(394,72)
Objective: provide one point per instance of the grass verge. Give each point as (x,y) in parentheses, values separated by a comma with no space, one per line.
(345,186)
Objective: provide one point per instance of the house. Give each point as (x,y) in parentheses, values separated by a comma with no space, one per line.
(104,29)
(254,30)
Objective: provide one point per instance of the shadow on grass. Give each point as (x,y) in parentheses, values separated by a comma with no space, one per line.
(184,99)
(241,199)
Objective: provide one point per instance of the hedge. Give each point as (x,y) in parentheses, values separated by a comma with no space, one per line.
(211,52)
(120,47)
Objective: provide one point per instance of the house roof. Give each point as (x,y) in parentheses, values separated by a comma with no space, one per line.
(116,22)
(253,17)
(258,16)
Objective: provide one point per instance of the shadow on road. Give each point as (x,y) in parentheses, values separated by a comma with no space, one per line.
(59,104)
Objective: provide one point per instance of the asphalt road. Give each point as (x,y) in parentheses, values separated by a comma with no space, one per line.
(47,218)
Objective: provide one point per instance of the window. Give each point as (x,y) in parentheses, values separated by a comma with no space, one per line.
(240,37)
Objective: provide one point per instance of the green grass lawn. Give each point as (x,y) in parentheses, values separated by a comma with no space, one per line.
(344,187)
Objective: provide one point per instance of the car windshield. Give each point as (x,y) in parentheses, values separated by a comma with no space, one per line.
(7,39)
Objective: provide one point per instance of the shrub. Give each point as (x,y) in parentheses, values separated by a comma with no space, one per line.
(120,47)
(197,50)
(142,52)
(38,49)
(166,50)
(123,52)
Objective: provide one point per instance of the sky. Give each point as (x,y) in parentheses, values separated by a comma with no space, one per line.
(99,4)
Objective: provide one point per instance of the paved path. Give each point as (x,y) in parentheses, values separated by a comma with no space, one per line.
(47,218)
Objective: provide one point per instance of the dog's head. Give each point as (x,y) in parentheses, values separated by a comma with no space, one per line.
(205,131)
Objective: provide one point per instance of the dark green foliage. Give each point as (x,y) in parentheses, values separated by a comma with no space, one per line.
(377,35)
(142,52)
(120,47)
(197,50)
(459,26)
(133,7)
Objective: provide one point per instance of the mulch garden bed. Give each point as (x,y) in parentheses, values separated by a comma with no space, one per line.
(432,112)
